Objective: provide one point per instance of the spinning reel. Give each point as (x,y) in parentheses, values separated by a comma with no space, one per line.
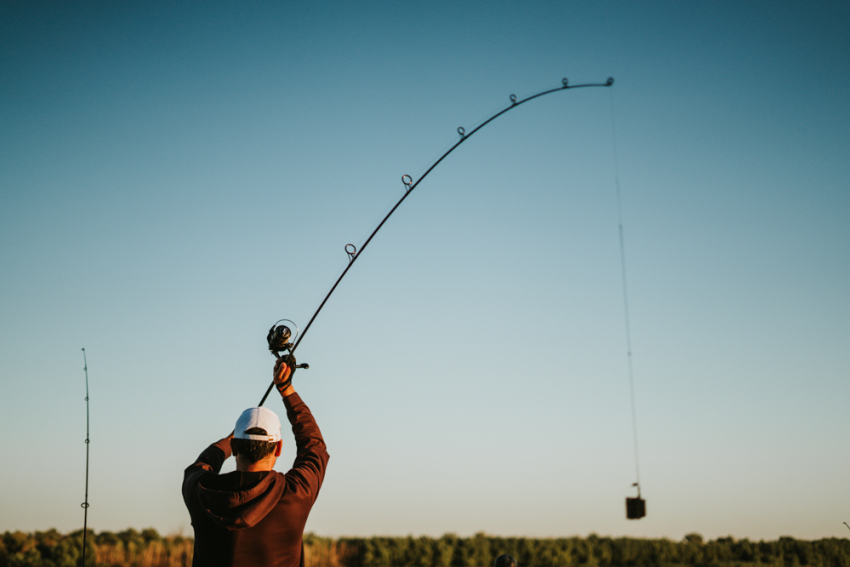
(280,340)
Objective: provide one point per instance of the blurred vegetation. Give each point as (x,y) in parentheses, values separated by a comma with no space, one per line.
(147,548)
(106,549)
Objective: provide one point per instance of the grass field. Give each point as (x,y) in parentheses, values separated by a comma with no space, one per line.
(147,548)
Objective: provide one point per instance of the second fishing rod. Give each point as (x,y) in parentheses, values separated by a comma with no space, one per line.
(280,338)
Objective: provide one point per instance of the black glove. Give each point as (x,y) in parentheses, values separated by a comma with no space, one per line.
(289,360)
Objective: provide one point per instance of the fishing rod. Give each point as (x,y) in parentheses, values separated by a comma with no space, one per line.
(85,505)
(280,336)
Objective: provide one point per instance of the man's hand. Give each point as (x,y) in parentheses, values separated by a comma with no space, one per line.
(282,372)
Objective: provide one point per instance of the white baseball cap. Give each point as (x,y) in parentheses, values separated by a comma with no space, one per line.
(263,418)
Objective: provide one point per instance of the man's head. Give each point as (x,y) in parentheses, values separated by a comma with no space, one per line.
(256,438)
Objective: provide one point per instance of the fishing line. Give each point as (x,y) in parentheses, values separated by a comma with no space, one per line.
(280,336)
(85,505)
(635,507)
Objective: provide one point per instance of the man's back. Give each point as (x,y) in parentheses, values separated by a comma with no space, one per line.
(248,518)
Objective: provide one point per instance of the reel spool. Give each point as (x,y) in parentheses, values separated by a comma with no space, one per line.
(279,338)
(635,507)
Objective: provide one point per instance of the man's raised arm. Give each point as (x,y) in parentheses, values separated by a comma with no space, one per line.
(311,458)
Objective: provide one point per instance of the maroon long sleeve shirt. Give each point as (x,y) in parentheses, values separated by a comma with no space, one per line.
(255,518)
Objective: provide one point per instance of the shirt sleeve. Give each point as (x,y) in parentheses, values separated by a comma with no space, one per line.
(311,457)
(210,461)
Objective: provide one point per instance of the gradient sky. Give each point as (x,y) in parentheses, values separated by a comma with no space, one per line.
(175,177)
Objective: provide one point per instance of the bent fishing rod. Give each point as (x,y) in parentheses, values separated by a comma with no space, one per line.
(280,336)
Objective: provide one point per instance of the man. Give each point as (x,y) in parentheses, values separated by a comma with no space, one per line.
(255,516)
(505,561)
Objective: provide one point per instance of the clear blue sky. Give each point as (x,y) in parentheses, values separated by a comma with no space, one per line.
(175,177)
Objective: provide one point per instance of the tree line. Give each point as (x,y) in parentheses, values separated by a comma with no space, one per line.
(131,548)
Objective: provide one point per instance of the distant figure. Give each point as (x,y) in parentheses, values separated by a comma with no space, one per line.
(255,516)
(505,561)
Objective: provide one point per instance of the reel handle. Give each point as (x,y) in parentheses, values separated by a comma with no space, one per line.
(303,365)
